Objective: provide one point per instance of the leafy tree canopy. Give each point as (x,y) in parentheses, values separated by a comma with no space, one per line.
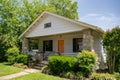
(17,15)
(111,41)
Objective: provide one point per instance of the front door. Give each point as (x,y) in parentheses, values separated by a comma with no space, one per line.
(61,46)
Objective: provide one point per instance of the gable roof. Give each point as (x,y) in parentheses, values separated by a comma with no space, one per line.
(62,17)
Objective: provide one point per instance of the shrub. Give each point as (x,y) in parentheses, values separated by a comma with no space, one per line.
(86,62)
(117,76)
(23,58)
(61,64)
(20,65)
(46,70)
(73,67)
(3,58)
(103,76)
(73,76)
(11,54)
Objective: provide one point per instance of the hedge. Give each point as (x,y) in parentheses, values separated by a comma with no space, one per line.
(61,64)
(84,64)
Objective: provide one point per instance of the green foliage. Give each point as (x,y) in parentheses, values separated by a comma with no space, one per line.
(14,56)
(7,69)
(61,64)
(2,52)
(33,44)
(117,76)
(20,65)
(81,65)
(46,70)
(111,40)
(103,76)
(11,54)
(86,62)
(17,15)
(67,8)
(23,58)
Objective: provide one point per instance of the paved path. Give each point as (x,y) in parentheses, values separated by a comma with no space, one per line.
(26,71)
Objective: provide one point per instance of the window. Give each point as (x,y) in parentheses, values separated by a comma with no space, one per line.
(33,44)
(47,25)
(77,44)
(47,45)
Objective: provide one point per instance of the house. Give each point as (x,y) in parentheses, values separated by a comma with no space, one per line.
(60,34)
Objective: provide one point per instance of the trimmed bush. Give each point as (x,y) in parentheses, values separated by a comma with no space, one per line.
(23,58)
(73,67)
(11,54)
(61,64)
(86,62)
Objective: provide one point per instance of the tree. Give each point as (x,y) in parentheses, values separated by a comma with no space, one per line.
(66,8)
(17,15)
(111,41)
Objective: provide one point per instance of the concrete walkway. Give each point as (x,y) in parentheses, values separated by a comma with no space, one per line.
(26,71)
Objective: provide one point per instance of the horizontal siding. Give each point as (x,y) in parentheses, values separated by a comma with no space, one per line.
(58,26)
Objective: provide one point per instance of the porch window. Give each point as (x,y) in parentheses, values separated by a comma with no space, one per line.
(33,44)
(47,45)
(77,44)
(47,25)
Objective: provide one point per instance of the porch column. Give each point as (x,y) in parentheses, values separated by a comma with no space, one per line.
(88,41)
(25,45)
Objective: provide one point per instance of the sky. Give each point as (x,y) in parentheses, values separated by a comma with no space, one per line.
(102,13)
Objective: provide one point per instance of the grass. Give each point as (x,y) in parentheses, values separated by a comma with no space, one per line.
(6,69)
(38,76)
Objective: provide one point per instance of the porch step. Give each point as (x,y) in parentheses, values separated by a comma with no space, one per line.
(39,65)
(45,62)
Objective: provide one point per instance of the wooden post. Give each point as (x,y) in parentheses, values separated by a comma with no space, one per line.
(88,41)
(25,45)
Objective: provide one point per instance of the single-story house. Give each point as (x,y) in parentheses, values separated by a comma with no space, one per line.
(60,34)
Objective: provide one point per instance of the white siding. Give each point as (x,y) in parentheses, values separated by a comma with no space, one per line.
(97,43)
(99,50)
(68,42)
(58,26)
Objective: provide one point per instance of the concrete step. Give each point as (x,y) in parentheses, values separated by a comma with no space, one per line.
(44,62)
(37,67)
(38,64)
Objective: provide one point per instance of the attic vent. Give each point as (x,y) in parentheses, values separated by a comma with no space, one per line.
(47,25)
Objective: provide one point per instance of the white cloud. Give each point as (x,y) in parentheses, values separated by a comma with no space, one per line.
(105,21)
(93,14)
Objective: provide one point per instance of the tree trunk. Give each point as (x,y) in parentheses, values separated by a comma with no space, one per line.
(111,62)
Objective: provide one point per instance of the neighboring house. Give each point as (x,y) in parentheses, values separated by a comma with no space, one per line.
(60,34)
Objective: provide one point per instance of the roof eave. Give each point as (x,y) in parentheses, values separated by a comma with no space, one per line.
(71,20)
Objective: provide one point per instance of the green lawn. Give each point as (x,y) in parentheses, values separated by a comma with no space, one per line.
(38,76)
(6,69)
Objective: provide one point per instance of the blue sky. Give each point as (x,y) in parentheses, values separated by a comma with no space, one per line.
(102,13)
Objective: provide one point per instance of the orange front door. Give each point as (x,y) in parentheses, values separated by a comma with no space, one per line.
(61,46)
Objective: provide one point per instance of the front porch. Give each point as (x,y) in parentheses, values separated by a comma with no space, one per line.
(61,44)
